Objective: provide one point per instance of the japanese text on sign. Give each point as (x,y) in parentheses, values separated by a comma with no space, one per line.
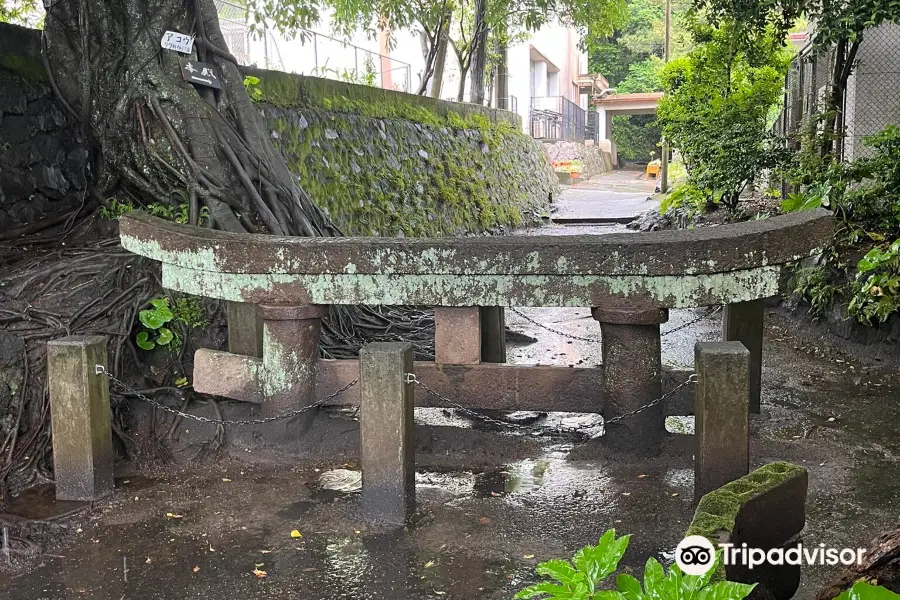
(179,42)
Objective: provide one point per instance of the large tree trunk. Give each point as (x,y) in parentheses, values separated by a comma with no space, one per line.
(156,136)
(437,78)
(479,53)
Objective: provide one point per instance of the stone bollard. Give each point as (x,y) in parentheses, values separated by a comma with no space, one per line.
(632,376)
(79,415)
(457,335)
(743,322)
(290,353)
(721,415)
(245,329)
(387,437)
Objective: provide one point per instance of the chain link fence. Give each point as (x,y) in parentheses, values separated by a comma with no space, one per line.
(871,101)
(308,53)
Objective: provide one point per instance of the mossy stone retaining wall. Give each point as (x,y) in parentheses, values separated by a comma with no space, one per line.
(43,162)
(388,163)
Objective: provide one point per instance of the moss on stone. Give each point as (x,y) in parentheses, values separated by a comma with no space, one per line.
(716,512)
(398,168)
(26,67)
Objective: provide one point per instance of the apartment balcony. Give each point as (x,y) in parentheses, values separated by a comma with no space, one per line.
(555,118)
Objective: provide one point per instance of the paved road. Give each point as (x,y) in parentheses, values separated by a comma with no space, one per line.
(616,197)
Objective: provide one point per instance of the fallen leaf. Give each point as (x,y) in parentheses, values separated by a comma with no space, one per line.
(296,534)
(528,556)
(196,569)
(259,573)
(429,564)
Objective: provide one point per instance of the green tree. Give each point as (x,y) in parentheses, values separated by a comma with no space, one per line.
(840,26)
(21,12)
(716,108)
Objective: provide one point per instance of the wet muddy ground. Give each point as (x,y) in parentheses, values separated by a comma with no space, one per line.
(491,504)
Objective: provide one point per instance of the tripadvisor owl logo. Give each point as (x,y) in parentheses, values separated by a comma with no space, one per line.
(695,555)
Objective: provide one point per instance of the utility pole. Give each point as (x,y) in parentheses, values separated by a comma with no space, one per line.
(664,159)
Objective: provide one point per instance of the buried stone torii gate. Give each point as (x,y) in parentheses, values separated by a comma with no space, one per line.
(282,287)
(630,280)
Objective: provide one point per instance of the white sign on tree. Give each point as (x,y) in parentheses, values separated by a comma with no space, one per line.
(179,42)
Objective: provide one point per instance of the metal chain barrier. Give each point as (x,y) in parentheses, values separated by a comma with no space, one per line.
(706,315)
(100,370)
(411,378)
(651,404)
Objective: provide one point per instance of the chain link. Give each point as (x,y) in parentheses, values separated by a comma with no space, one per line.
(709,313)
(411,378)
(649,405)
(100,370)
(705,315)
(551,330)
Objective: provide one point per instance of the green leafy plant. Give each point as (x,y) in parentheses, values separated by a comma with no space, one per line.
(113,209)
(865,197)
(863,590)
(716,111)
(675,585)
(154,320)
(251,84)
(876,289)
(164,319)
(179,214)
(581,578)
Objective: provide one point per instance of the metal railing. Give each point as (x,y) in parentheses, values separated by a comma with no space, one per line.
(557,118)
(310,53)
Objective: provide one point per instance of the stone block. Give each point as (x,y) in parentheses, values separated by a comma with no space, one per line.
(457,335)
(721,417)
(765,509)
(245,329)
(493,334)
(387,435)
(743,322)
(79,413)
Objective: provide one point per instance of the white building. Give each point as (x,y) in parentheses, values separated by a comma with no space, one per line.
(548,85)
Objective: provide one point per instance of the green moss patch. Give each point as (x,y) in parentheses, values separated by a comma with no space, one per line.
(386,163)
(716,512)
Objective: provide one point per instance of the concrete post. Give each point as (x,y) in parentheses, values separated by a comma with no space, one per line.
(79,415)
(493,334)
(290,352)
(387,436)
(632,376)
(457,335)
(721,416)
(743,322)
(245,329)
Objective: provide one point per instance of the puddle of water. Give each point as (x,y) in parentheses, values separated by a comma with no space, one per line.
(679,478)
(40,503)
(680,424)
(518,478)
(345,481)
